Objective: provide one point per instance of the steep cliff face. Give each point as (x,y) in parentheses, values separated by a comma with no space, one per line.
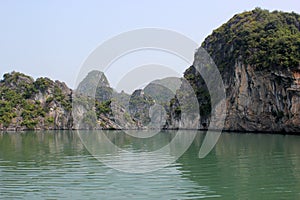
(259,101)
(258,56)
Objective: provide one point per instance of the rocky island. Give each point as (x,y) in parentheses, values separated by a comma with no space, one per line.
(257,53)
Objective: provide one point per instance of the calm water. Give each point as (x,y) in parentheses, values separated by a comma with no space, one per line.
(56,165)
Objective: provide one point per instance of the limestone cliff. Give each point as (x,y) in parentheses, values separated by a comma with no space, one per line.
(258,56)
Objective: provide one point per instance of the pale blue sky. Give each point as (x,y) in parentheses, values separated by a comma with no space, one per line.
(53,38)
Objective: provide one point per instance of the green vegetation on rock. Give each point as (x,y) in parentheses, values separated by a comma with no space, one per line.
(27,104)
(103,107)
(259,38)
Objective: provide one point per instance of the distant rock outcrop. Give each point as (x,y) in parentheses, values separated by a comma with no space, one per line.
(97,106)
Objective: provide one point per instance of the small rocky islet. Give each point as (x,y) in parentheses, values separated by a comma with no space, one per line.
(257,53)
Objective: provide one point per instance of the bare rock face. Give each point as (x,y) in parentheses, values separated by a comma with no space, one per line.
(259,101)
(139,107)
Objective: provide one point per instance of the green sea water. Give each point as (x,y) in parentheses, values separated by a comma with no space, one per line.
(56,165)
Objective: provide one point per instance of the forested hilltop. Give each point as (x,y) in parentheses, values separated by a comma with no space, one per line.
(260,38)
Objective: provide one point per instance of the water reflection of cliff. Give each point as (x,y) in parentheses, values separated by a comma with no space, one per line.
(137,151)
(247,166)
(39,147)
